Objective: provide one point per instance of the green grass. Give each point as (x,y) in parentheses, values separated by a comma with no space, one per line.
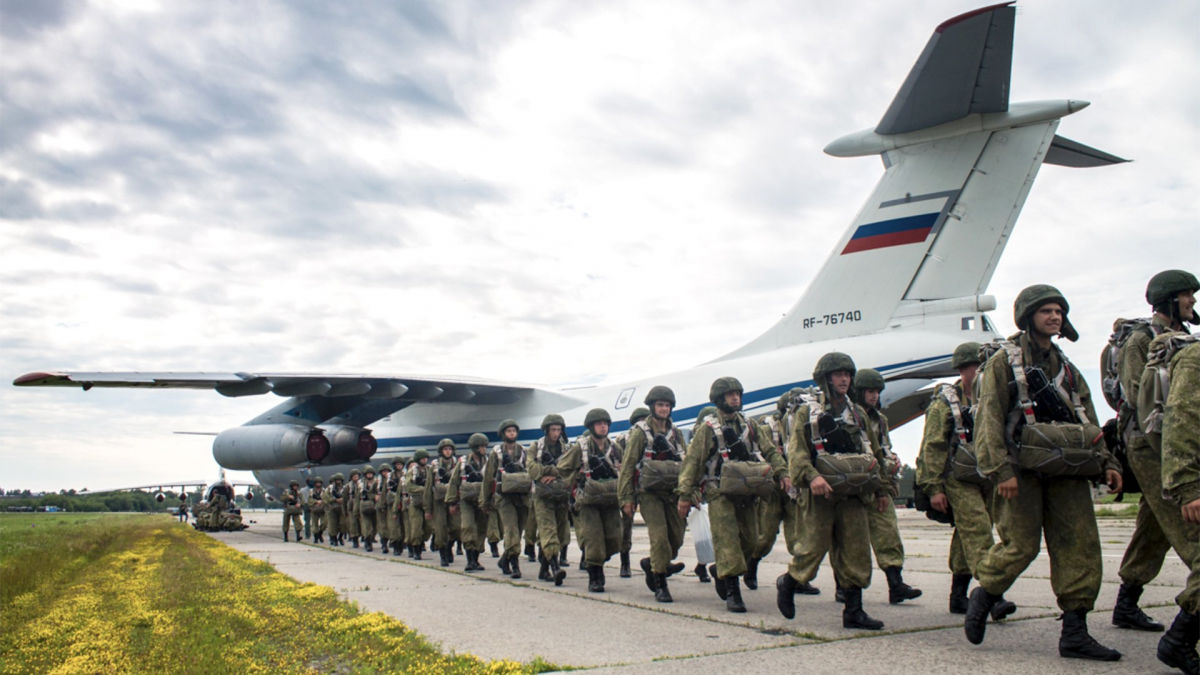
(137,593)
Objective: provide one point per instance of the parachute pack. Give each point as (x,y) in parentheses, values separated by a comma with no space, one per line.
(962,464)
(1156,379)
(1110,381)
(849,468)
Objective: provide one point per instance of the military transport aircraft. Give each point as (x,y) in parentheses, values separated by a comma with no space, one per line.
(905,284)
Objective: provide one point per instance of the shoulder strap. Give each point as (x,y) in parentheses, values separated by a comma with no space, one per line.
(1016,361)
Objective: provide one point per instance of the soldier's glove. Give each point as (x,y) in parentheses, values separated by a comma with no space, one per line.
(660,444)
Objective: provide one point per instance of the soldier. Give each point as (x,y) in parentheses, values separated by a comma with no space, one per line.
(590,468)
(1172,295)
(493,532)
(721,455)
(648,475)
(550,497)
(334,509)
(368,490)
(291,509)
(946,439)
(701,569)
(1180,445)
(885,530)
(462,496)
(506,487)
(382,526)
(395,507)
(1033,503)
(636,416)
(350,506)
(413,486)
(316,506)
(437,484)
(831,442)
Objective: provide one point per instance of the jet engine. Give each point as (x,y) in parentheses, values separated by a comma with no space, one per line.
(349,445)
(249,496)
(270,446)
(160,498)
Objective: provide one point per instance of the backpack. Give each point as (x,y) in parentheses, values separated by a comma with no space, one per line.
(1110,359)
(1156,379)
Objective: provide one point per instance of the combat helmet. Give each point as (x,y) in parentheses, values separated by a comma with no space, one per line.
(831,363)
(638,415)
(506,424)
(553,418)
(368,469)
(785,400)
(354,472)
(477,440)
(336,477)
(868,378)
(1163,289)
(420,455)
(660,393)
(705,412)
(384,467)
(596,415)
(444,443)
(722,386)
(965,354)
(1032,297)
(294,484)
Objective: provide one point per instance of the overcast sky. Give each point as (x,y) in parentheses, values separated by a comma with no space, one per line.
(544,191)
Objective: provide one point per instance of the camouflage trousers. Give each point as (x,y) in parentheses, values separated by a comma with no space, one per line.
(626,532)
(382,527)
(318,522)
(734,525)
(664,527)
(446,526)
(839,527)
(395,521)
(531,525)
(493,526)
(366,524)
(885,536)
(334,518)
(292,518)
(1168,530)
(599,529)
(473,525)
(773,512)
(416,529)
(514,518)
(350,522)
(972,525)
(1061,510)
(553,525)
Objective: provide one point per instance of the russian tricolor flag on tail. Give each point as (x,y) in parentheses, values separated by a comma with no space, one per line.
(895,232)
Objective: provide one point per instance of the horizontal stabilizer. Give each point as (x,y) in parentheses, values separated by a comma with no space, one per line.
(1066,152)
(965,68)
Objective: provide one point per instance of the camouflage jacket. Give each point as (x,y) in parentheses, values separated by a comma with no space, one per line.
(635,448)
(476,462)
(877,429)
(570,465)
(801,448)
(1181,427)
(492,468)
(704,444)
(935,443)
(1132,361)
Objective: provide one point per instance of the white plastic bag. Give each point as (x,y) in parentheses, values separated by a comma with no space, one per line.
(702,535)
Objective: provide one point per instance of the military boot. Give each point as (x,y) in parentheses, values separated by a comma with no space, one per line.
(839,594)
(853,615)
(458,546)
(1127,614)
(785,595)
(556,571)
(396,548)
(1077,643)
(958,593)
(721,585)
(562,556)
(600,576)
(582,560)
(383,545)
(443,556)
(751,575)
(1177,647)
(450,553)
(625,566)
(675,568)
(530,553)
(516,567)
(595,579)
(662,593)
(979,604)
(354,541)
(505,567)
(417,552)
(367,543)
(807,589)
(702,573)
(285,535)
(495,552)
(898,591)
(733,596)
(1002,609)
(543,566)
(651,577)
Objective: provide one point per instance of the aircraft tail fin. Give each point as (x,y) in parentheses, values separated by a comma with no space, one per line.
(959,162)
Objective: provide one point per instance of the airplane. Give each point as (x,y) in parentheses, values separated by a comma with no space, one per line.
(221,484)
(904,285)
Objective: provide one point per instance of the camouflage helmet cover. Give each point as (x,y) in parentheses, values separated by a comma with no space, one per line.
(1164,285)
(705,412)
(506,424)
(385,467)
(354,472)
(596,415)
(295,483)
(337,477)
(477,440)
(367,468)
(831,363)
(445,442)
(660,393)
(638,415)
(965,354)
(868,378)
(1032,297)
(785,399)
(553,418)
(420,455)
(722,386)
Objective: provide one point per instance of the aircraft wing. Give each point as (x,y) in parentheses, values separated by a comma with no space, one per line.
(165,485)
(379,387)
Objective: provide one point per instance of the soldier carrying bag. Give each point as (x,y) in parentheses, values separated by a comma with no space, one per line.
(514,480)
(1060,441)
(470,481)
(847,469)
(658,469)
(735,469)
(962,464)
(592,491)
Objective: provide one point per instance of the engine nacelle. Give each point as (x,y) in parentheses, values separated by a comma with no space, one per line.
(160,498)
(270,446)
(350,445)
(249,496)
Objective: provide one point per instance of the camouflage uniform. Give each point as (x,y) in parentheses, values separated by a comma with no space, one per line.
(416,527)
(292,506)
(512,508)
(599,526)
(368,493)
(350,507)
(383,526)
(394,504)
(664,527)
(334,510)
(550,512)
(732,519)
(437,483)
(1180,444)
(778,510)
(473,520)
(316,507)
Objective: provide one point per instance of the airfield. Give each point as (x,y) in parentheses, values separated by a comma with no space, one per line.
(624,630)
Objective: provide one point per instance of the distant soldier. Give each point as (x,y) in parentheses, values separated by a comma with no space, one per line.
(621,442)
(1041,493)
(395,507)
(885,530)
(437,483)
(834,456)
(736,462)
(948,472)
(292,507)
(589,466)
(334,510)
(305,492)
(182,511)
(415,475)
(1171,294)
(368,490)
(350,505)
(1180,445)
(316,507)
(382,500)
(506,488)
(551,494)
(649,473)
(462,496)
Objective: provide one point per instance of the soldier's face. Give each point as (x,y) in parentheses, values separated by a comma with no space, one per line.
(662,409)
(600,429)
(554,432)
(733,400)
(840,381)
(447,451)
(871,397)
(1048,319)
(1187,305)
(510,434)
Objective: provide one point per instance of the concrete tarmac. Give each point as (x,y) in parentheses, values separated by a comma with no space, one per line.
(625,630)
